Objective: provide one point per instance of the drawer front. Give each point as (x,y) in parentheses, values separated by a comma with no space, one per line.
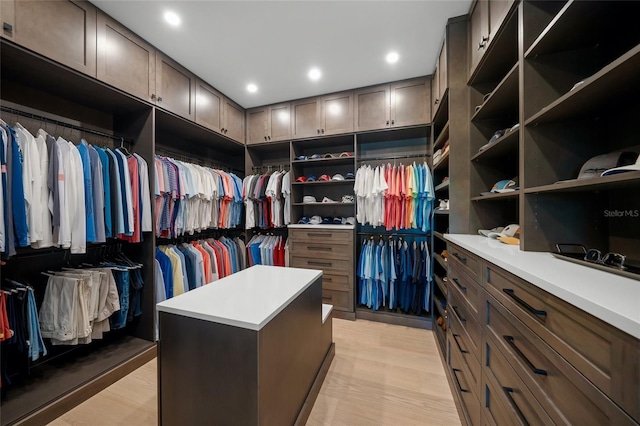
(608,358)
(566,395)
(321,250)
(324,236)
(464,386)
(337,265)
(337,282)
(505,398)
(341,300)
(461,344)
(459,307)
(470,290)
(461,257)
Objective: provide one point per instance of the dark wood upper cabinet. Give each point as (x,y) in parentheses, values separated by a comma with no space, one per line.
(124,60)
(410,102)
(478,32)
(336,114)
(269,124)
(233,120)
(498,10)
(209,105)
(435,89)
(305,120)
(175,87)
(279,122)
(64,31)
(443,82)
(371,108)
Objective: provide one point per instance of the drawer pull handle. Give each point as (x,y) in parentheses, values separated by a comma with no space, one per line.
(318,234)
(461,259)
(311,262)
(508,392)
(455,376)
(455,337)
(511,342)
(528,307)
(463,288)
(455,309)
(319,248)
(327,297)
(327,279)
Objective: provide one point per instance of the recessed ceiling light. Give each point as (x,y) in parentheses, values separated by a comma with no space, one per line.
(252,88)
(172,18)
(314,74)
(392,57)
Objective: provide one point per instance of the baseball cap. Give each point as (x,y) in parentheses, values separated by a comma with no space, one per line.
(316,156)
(507,231)
(308,199)
(337,176)
(486,232)
(506,185)
(351,220)
(327,200)
(301,179)
(303,220)
(302,157)
(514,241)
(610,163)
(327,221)
(346,154)
(315,220)
(625,168)
(329,155)
(350,176)
(311,178)
(324,178)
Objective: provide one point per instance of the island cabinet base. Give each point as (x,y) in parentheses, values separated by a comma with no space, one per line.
(212,373)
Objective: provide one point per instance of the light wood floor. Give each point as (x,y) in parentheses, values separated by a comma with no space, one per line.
(381,375)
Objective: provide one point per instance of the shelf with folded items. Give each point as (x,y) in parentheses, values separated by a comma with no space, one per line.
(441,212)
(444,186)
(335,203)
(496,196)
(503,146)
(442,137)
(443,162)
(617,181)
(324,161)
(329,182)
(503,99)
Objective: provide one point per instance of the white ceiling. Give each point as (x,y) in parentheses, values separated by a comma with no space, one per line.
(273,44)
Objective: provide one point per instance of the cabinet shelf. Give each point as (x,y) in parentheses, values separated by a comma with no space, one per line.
(589,22)
(503,99)
(442,212)
(444,162)
(324,204)
(616,80)
(322,182)
(497,196)
(322,161)
(442,186)
(442,112)
(440,236)
(442,137)
(441,284)
(440,260)
(508,144)
(622,180)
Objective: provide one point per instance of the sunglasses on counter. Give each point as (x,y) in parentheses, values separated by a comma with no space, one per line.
(615,260)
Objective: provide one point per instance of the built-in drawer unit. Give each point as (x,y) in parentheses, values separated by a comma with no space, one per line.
(468,289)
(328,265)
(463,385)
(339,299)
(322,235)
(469,262)
(608,358)
(460,308)
(461,343)
(320,250)
(566,395)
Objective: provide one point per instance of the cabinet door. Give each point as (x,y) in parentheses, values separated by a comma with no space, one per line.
(337,114)
(257,125)
(233,121)
(209,104)
(371,108)
(64,31)
(443,83)
(435,89)
(175,87)
(279,122)
(478,32)
(410,102)
(124,60)
(305,120)
(498,10)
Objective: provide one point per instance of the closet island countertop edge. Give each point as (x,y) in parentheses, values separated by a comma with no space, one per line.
(611,298)
(247,299)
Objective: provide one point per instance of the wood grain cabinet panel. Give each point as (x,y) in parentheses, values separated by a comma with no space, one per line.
(209,106)
(410,102)
(443,82)
(478,33)
(124,60)
(371,108)
(175,87)
(62,30)
(257,125)
(233,120)
(498,10)
(305,120)
(279,122)
(337,114)
(435,90)
(463,385)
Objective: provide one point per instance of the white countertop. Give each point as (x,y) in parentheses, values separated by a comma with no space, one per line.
(247,299)
(322,226)
(326,311)
(612,298)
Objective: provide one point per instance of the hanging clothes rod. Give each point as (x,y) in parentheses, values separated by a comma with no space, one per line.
(63,124)
(271,167)
(394,234)
(203,162)
(393,157)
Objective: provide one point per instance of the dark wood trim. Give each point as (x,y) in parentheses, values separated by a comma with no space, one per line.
(58,407)
(414,321)
(595,184)
(305,412)
(351,316)
(497,196)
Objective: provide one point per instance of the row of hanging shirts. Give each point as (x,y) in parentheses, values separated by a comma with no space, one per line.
(267,199)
